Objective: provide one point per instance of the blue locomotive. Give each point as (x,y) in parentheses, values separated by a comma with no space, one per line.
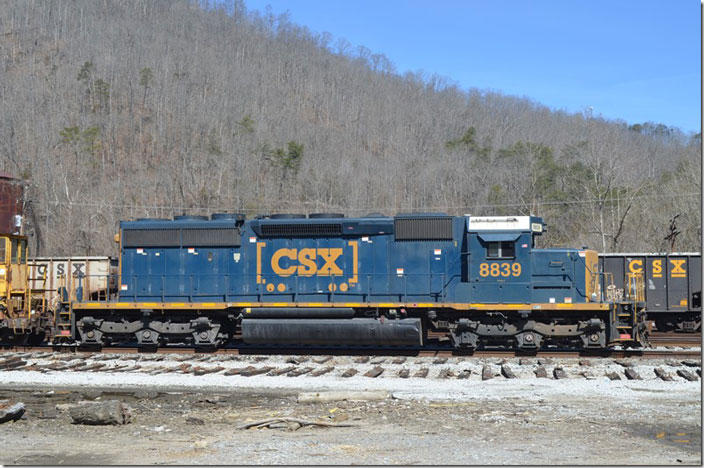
(370,281)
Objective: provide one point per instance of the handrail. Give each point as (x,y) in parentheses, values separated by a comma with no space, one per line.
(198,285)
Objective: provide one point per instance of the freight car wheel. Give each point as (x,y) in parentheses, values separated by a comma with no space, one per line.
(664,326)
(35,339)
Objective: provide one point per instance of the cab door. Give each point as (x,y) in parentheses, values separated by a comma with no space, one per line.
(18,264)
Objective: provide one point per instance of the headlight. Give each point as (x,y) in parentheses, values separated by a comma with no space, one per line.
(2,271)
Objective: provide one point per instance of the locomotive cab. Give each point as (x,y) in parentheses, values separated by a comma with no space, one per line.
(506,267)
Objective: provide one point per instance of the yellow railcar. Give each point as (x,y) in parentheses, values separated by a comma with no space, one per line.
(22,319)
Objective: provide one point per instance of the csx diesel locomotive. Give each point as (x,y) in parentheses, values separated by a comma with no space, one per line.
(371,281)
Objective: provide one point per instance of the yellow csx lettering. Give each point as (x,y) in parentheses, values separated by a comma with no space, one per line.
(678,270)
(307,264)
(657,268)
(636,266)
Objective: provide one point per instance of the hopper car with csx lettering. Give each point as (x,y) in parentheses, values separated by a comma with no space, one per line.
(673,286)
(327,280)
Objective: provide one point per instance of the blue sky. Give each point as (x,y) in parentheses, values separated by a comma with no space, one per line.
(631,60)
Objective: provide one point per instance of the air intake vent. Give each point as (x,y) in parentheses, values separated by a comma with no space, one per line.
(302,230)
(209,237)
(426,228)
(151,238)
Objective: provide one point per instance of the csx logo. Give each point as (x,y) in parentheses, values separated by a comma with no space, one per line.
(308,262)
(677,267)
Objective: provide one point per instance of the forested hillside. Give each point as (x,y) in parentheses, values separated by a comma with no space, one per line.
(117,109)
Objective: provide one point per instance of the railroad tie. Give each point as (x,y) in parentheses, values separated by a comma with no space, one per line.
(464,374)
(349,372)
(691,376)
(541,372)
(208,370)
(403,373)
(631,374)
(422,373)
(129,369)
(91,367)
(297,359)
(32,367)
(559,373)
(282,371)
(11,362)
(375,372)
(399,360)
(13,365)
(256,371)
(322,371)
(487,373)
(238,370)
(662,375)
(297,372)
(322,359)
(445,374)
(507,372)
(116,368)
(362,360)
(613,376)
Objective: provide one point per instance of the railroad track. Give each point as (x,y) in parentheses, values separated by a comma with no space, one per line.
(685,340)
(433,351)
(226,365)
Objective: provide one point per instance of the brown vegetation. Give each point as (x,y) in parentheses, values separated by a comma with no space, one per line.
(119,109)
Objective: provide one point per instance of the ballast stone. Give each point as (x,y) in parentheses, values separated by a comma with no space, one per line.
(104,413)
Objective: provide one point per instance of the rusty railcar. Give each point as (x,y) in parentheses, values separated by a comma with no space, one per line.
(11,204)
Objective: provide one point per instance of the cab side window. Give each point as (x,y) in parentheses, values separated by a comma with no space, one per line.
(14,251)
(502,249)
(23,252)
(2,250)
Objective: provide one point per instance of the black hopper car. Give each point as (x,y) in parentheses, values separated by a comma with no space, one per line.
(673,286)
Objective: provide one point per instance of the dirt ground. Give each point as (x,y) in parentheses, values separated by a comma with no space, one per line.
(647,425)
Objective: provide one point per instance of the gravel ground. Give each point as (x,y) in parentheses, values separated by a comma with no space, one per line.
(182,418)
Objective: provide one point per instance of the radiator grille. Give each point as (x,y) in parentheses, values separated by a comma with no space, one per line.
(209,237)
(435,228)
(302,230)
(151,238)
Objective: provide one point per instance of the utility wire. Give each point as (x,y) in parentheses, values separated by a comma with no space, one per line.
(264,208)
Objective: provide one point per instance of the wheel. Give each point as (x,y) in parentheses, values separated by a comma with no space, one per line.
(663,326)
